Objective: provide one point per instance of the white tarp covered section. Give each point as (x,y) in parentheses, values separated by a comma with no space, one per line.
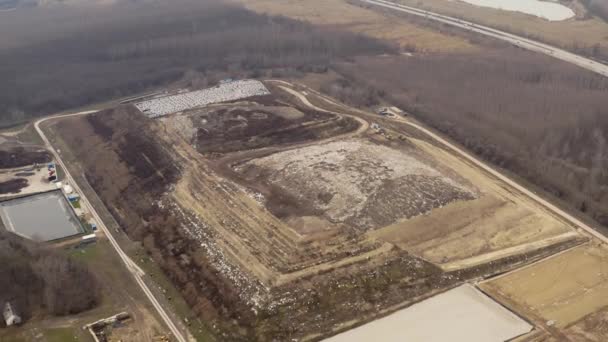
(461,314)
(228,91)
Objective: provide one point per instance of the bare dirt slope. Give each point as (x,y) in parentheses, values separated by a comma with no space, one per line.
(498,219)
(260,122)
(251,273)
(234,262)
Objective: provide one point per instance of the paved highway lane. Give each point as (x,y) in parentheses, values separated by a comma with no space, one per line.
(516,40)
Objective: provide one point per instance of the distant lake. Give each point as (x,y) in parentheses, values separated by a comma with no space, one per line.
(543,9)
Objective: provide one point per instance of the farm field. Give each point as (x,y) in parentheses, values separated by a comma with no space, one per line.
(580,32)
(292,200)
(566,291)
(349,15)
(591,328)
(228,91)
(354,183)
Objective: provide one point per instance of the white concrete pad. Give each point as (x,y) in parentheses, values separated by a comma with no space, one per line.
(461,314)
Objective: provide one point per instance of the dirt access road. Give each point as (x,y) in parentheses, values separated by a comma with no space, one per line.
(364,124)
(557,211)
(516,40)
(133,268)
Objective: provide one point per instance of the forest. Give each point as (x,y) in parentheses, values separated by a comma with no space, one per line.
(597,7)
(40,281)
(60,57)
(539,118)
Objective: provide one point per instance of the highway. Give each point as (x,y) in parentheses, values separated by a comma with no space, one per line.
(133,268)
(516,40)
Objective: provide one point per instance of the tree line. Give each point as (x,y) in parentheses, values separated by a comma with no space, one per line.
(543,119)
(40,280)
(51,61)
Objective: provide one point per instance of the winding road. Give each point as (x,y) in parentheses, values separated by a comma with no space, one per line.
(364,125)
(133,268)
(516,40)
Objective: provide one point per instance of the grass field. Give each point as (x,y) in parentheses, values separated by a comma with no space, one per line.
(344,15)
(568,289)
(85,254)
(357,183)
(62,335)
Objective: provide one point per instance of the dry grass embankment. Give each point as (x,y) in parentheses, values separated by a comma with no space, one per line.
(566,291)
(580,33)
(358,19)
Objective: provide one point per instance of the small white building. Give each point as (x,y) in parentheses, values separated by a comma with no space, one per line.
(10,316)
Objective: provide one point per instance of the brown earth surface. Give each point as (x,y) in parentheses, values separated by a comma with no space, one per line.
(583,32)
(566,291)
(247,272)
(359,19)
(13,186)
(351,183)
